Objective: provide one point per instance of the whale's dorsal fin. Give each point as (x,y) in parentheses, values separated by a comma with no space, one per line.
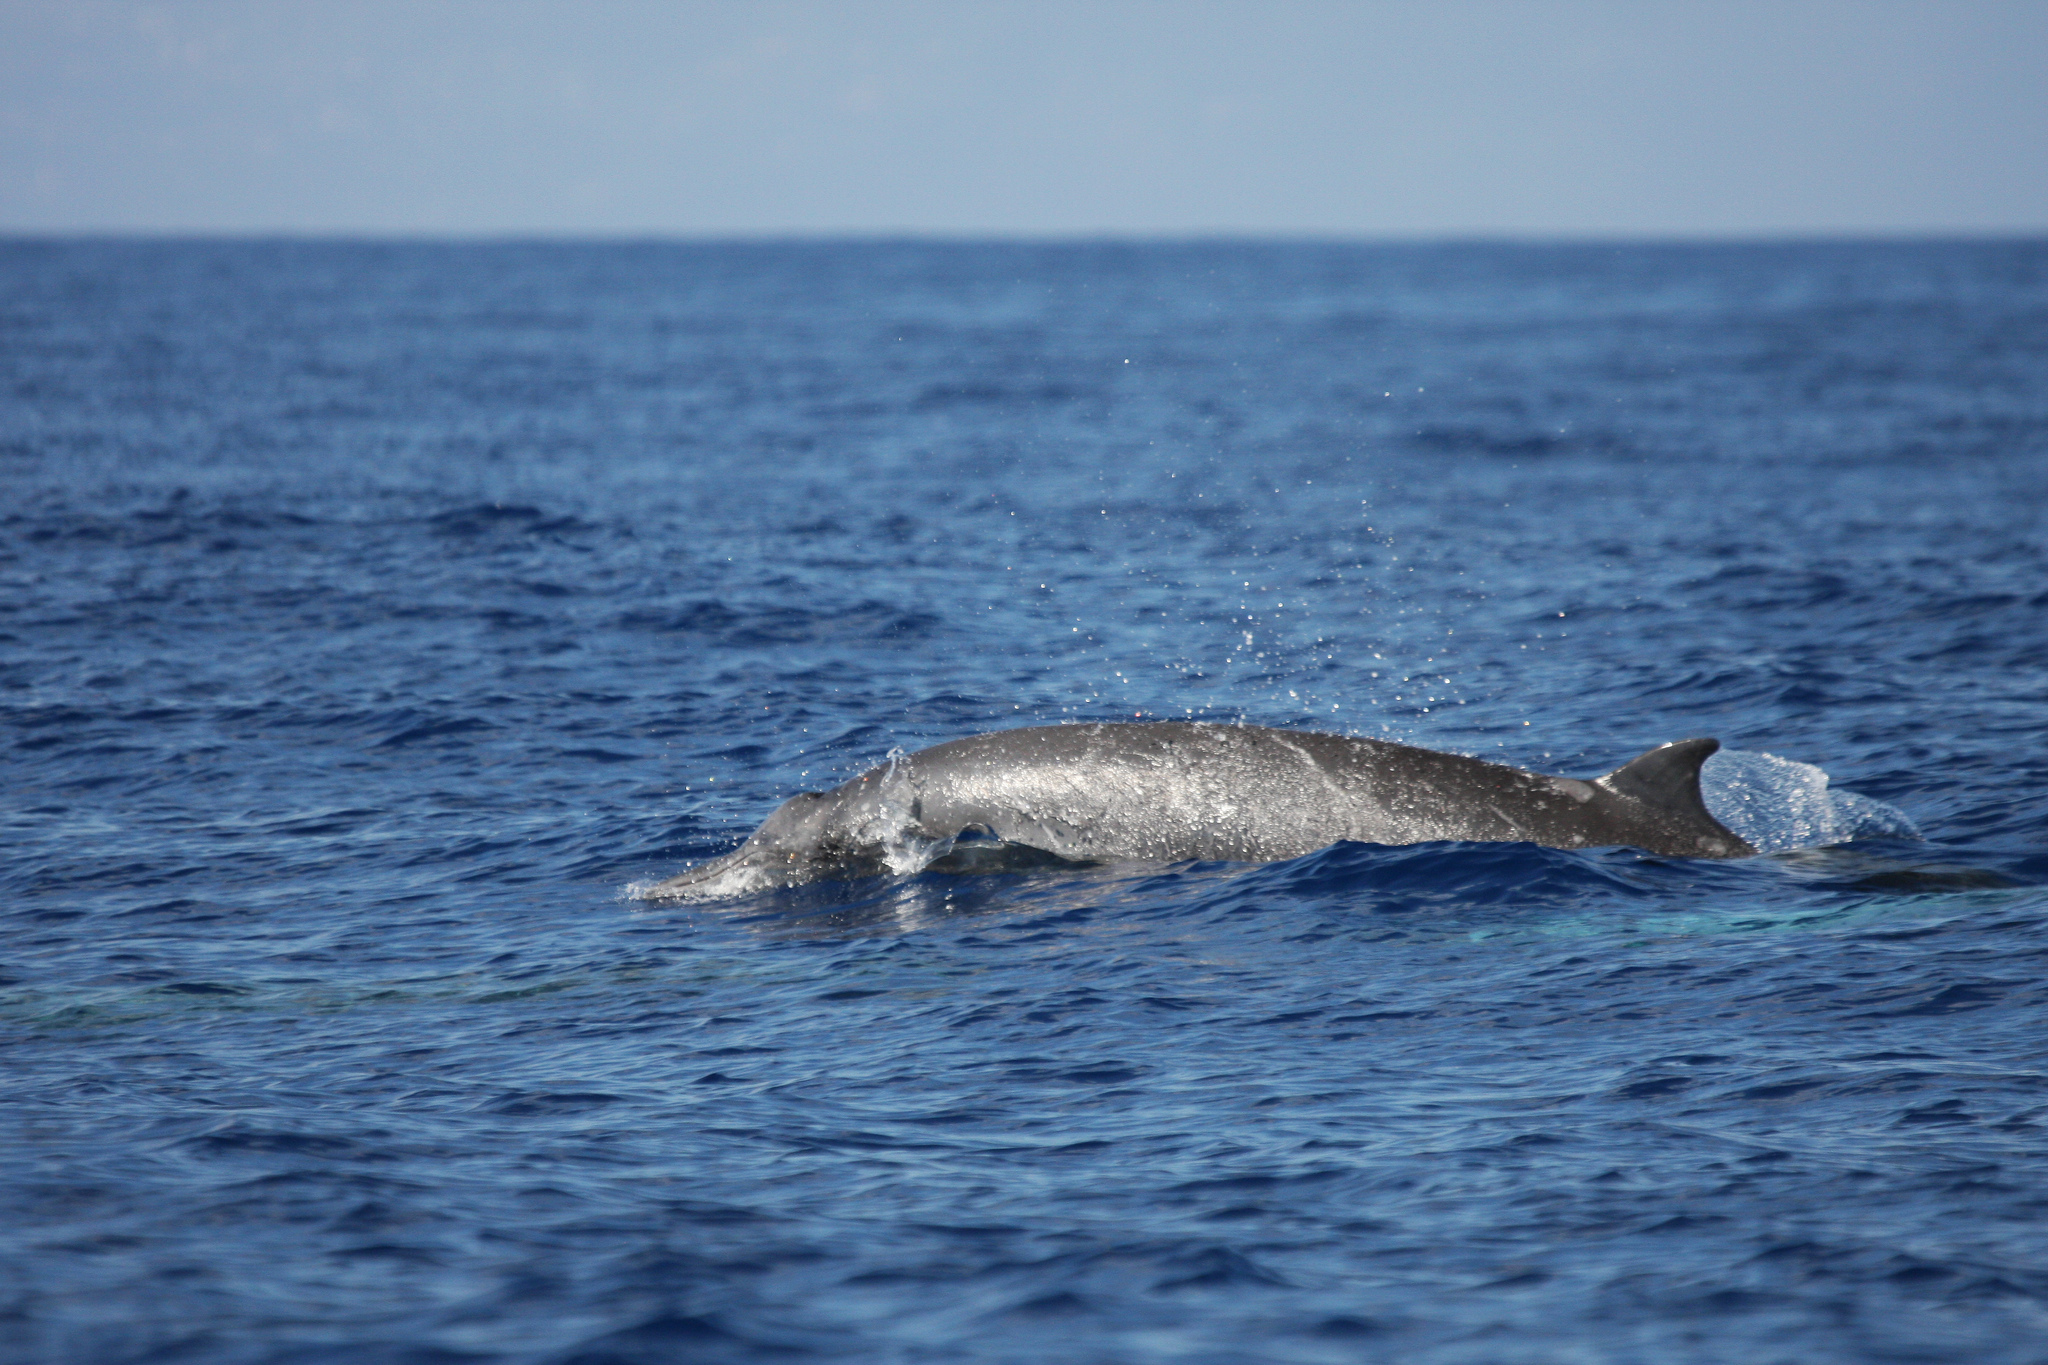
(1668,775)
(1666,780)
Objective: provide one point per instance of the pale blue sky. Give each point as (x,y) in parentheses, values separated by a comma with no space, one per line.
(1525,117)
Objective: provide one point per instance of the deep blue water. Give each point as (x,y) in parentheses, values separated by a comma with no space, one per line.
(373,617)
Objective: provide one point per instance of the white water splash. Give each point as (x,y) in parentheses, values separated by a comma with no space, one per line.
(1779,805)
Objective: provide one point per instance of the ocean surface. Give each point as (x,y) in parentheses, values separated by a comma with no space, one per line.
(374,618)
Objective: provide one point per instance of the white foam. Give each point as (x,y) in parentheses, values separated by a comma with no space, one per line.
(1779,805)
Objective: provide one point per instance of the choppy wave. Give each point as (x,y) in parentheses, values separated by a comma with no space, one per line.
(371,612)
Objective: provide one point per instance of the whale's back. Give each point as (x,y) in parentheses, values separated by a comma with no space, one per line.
(1175,790)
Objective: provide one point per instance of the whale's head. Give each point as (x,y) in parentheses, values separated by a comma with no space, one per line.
(808,837)
(803,829)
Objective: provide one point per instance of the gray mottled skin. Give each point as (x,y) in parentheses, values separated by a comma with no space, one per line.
(1169,791)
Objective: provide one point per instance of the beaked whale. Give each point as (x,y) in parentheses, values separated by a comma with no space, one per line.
(1169,791)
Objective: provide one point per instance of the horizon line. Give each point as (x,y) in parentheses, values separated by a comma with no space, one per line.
(940,237)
